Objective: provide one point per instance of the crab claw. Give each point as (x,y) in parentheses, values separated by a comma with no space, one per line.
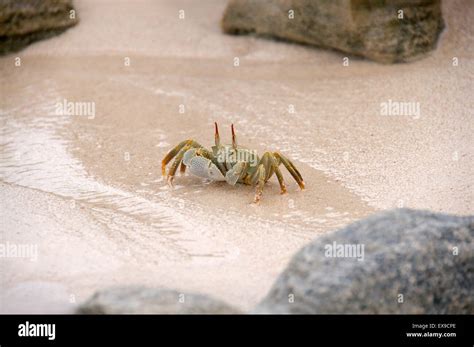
(188,155)
(202,167)
(232,176)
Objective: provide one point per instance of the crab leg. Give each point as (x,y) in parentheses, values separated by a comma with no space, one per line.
(260,176)
(278,174)
(271,165)
(173,152)
(182,168)
(280,180)
(176,163)
(291,168)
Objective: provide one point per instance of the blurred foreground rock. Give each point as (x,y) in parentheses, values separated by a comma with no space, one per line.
(148,300)
(368,28)
(26,21)
(412,262)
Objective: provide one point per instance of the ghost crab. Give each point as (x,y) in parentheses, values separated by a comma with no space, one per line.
(230,163)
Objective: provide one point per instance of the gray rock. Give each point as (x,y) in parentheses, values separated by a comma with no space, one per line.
(368,28)
(412,262)
(26,21)
(407,252)
(142,300)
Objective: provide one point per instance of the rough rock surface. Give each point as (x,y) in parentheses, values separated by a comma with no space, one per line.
(426,257)
(122,300)
(369,28)
(26,21)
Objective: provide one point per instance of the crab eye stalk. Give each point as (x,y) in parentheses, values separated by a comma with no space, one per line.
(234,142)
(216,135)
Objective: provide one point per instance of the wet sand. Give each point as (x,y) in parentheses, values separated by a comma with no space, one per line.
(88,190)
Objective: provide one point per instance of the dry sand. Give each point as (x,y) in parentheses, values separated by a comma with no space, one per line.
(88,192)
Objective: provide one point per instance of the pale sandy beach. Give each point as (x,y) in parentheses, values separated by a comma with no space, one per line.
(87,190)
